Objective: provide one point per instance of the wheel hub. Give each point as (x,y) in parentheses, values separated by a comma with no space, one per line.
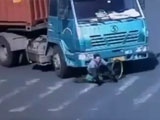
(56,61)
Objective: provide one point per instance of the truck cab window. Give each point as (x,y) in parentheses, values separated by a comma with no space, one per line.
(142,3)
(64,9)
(87,8)
(53,8)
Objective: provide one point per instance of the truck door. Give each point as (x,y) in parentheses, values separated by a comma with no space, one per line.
(53,21)
(65,23)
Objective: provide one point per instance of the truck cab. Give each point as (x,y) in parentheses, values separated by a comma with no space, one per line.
(116,29)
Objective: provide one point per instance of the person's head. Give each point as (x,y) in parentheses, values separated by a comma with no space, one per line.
(97,57)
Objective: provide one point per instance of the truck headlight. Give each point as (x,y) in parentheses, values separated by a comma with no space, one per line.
(85,56)
(128,52)
(141,49)
(144,49)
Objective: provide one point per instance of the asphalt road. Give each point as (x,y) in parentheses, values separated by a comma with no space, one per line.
(32,94)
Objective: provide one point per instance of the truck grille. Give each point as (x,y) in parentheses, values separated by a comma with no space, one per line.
(115,38)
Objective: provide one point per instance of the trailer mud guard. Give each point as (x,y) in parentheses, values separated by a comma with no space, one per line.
(16,42)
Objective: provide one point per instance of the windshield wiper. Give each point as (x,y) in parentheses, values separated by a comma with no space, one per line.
(84,21)
(131,18)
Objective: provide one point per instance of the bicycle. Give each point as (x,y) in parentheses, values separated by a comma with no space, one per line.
(115,67)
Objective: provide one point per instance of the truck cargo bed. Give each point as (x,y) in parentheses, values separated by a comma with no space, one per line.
(23,13)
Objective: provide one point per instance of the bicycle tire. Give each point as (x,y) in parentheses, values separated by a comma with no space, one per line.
(120,74)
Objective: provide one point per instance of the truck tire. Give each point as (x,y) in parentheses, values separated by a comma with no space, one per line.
(60,66)
(7,57)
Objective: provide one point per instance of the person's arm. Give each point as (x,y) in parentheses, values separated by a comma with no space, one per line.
(104,62)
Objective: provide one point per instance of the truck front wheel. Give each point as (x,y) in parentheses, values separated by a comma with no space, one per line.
(61,68)
(7,57)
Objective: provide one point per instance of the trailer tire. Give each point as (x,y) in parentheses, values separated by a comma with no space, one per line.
(60,66)
(7,57)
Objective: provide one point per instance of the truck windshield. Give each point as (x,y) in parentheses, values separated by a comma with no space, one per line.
(87,9)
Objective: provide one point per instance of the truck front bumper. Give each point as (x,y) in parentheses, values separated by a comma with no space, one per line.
(81,59)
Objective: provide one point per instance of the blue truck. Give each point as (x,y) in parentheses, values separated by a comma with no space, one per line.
(77,29)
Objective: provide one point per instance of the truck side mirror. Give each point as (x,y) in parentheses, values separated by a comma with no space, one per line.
(142,3)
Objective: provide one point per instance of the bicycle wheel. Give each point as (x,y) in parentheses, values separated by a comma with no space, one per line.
(117,67)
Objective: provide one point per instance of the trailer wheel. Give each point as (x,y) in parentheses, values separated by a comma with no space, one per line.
(7,57)
(59,63)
